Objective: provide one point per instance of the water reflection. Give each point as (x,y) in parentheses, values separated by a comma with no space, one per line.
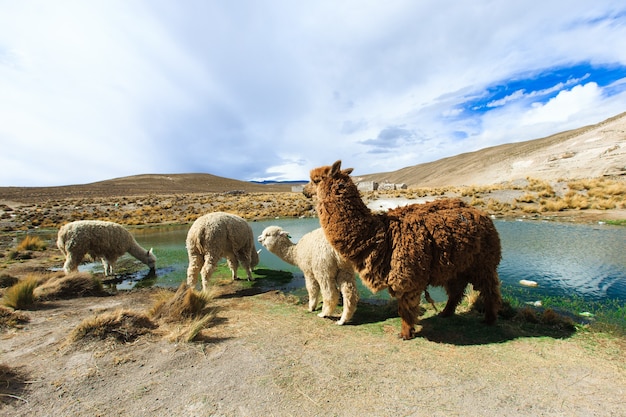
(564,259)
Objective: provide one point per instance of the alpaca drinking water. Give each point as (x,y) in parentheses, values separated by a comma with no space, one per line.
(101,240)
(443,243)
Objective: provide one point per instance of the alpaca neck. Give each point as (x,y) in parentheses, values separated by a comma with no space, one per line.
(349,225)
(286,251)
(140,253)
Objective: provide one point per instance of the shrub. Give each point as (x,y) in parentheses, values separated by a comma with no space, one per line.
(31,243)
(526,198)
(76,284)
(10,318)
(576,201)
(21,295)
(554,205)
(186,303)
(121,325)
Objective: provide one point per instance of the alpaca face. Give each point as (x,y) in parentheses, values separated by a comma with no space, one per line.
(324,174)
(271,235)
(151,259)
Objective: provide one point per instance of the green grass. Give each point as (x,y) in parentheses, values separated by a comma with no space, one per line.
(605,316)
(621,222)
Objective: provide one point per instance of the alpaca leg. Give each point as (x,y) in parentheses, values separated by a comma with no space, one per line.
(430,300)
(330,296)
(108,266)
(455,290)
(233,264)
(195,263)
(350,296)
(313,289)
(243,258)
(245,263)
(207,270)
(408,309)
(491,297)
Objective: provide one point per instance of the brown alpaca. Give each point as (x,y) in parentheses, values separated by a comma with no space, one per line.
(443,243)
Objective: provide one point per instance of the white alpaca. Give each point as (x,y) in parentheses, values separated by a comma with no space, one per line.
(215,236)
(322,266)
(101,240)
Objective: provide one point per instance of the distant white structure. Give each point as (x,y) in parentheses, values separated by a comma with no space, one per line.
(374,186)
(367,186)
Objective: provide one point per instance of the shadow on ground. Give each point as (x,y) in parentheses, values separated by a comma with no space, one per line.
(467,328)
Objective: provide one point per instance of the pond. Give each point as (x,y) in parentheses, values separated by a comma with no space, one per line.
(563,259)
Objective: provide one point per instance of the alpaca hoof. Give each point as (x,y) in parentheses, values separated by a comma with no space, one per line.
(340,322)
(322,315)
(410,336)
(407,334)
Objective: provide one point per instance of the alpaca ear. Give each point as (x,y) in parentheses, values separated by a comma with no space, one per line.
(335,168)
(284,233)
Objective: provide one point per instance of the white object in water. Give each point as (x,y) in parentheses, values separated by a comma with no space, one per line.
(528,283)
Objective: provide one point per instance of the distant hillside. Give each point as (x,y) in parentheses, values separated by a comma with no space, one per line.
(589,151)
(157,184)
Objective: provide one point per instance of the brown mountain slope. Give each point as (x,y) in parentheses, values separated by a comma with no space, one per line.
(157,184)
(587,152)
(590,151)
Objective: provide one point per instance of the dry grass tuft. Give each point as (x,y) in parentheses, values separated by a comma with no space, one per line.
(186,303)
(21,295)
(31,243)
(552,318)
(191,330)
(12,383)
(527,315)
(10,318)
(547,317)
(122,325)
(187,309)
(7,281)
(76,284)
(472,297)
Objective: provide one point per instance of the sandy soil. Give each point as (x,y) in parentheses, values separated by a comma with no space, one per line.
(264,354)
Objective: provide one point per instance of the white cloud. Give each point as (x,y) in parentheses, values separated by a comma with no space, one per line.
(566,104)
(265,89)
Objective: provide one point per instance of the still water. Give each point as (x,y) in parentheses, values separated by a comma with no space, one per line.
(564,259)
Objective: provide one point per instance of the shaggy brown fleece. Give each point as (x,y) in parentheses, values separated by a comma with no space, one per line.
(442,243)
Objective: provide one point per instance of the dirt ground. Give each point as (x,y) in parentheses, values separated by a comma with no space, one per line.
(265,355)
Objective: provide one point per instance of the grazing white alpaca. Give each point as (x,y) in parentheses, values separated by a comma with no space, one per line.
(322,266)
(99,239)
(215,236)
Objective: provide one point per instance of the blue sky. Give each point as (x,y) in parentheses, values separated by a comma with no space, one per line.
(261,89)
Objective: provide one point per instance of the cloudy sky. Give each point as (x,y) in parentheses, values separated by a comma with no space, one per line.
(268,89)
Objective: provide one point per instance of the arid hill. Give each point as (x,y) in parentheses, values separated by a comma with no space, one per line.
(587,152)
(139,185)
